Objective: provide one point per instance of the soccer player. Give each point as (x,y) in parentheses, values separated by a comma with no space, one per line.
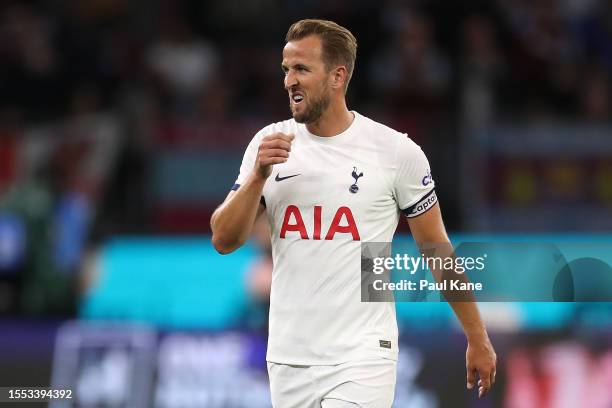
(327,180)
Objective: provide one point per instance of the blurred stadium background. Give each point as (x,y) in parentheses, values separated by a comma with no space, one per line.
(122,126)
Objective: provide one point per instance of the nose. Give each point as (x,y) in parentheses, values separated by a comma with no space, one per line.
(290,80)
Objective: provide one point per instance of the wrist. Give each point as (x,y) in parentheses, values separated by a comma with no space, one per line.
(257,178)
(477,335)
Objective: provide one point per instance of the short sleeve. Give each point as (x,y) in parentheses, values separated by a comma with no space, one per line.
(248,160)
(413,184)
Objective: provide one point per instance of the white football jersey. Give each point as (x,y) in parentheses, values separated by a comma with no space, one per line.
(330,196)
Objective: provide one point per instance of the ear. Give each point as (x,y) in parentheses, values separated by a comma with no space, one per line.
(338,77)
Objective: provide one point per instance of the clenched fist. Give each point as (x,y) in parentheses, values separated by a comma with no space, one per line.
(273,149)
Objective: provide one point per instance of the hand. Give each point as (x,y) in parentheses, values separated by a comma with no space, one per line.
(480,359)
(273,149)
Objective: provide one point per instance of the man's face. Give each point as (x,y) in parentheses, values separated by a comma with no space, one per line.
(306,79)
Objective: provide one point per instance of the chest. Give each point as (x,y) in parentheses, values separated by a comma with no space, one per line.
(329,176)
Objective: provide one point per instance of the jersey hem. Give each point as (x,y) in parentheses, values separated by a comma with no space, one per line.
(372,354)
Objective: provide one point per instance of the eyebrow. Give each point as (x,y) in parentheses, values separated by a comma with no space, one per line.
(298,65)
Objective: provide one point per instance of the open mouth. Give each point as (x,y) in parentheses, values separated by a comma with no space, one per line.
(297,98)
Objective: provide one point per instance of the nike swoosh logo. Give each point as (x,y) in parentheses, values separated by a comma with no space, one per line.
(279,178)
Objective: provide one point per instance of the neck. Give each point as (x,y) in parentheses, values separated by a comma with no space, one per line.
(335,120)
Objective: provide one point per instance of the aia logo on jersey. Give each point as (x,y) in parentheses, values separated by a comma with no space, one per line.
(343,223)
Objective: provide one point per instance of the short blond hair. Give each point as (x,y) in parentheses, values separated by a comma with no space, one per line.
(339,45)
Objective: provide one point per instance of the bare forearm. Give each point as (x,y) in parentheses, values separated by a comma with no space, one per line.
(232,222)
(469,317)
(480,356)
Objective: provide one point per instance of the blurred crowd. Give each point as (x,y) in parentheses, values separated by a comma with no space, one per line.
(96,96)
(198,63)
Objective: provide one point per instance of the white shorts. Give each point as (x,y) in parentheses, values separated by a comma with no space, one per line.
(367,384)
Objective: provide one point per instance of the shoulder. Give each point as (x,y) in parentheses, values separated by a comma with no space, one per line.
(285,126)
(397,144)
(370,125)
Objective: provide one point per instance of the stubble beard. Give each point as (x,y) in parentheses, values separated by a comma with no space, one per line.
(314,110)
